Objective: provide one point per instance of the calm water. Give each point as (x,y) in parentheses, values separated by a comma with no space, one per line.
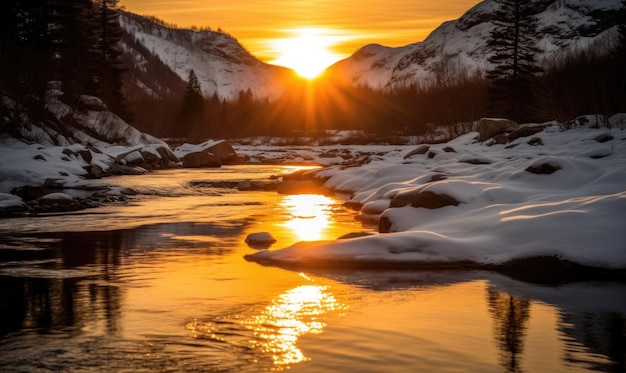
(160,284)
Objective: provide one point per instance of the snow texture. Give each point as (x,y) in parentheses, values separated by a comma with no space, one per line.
(505,212)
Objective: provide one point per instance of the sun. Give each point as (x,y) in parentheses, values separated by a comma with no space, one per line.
(307,51)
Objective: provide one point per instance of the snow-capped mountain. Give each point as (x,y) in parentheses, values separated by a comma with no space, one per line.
(222,65)
(564,24)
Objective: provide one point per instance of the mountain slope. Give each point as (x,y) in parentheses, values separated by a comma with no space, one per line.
(222,65)
(565,24)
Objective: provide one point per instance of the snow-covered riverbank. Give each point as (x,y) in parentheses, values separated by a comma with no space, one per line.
(556,195)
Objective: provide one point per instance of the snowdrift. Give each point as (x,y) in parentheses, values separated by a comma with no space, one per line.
(558,195)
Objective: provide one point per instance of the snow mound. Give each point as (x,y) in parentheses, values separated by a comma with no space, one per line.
(506,210)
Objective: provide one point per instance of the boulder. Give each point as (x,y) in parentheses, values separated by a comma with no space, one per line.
(603,137)
(476,161)
(11,205)
(543,168)
(93,172)
(54,198)
(384,225)
(151,157)
(92,103)
(201,160)
(132,157)
(167,154)
(68,152)
(500,139)
(85,155)
(223,151)
(29,192)
(57,202)
(417,151)
(425,199)
(525,131)
(118,169)
(489,127)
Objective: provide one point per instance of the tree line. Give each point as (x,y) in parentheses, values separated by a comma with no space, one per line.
(519,86)
(75,43)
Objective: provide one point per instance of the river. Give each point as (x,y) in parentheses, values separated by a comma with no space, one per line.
(159,284)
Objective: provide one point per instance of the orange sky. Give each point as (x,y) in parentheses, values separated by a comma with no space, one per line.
(345,25)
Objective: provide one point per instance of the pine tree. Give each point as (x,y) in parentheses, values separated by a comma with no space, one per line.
(621,21)
(109,68)
(77,53)
(620,60)
(191,109)
(513,42)
(26,53)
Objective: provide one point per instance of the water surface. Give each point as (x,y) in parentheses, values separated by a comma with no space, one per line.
(160,284)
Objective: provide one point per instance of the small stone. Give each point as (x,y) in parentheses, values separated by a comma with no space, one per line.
(604,137)
(260,240)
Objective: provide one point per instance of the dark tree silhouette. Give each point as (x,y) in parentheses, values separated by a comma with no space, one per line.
(109,64)
(510,318)
(513,41)
(621,21)
(77,52)
(191,110)
(72,42)
(27,49)
(621,59)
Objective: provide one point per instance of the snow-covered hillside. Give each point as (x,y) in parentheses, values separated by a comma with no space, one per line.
(222,65)
(564,24)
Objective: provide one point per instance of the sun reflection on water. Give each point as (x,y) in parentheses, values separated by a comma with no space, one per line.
(289,316)
(310,215)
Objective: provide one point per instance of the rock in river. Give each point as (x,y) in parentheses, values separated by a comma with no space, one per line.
(260,240)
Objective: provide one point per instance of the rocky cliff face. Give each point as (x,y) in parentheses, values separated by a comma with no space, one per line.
(222,65)
(564,24)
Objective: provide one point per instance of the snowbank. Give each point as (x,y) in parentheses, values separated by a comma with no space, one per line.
(562,197)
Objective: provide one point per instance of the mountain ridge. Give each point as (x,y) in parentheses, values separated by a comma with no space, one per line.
(565,24)
(223,66)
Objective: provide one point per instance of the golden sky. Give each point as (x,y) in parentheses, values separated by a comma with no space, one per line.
(343,26)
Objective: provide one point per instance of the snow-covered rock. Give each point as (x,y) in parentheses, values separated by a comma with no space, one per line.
(505,213)
(11,205)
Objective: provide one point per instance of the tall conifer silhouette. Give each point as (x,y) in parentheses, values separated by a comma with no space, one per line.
(513,42)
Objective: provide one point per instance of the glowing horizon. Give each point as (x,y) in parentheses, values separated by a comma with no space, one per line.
(277,32)
(307,50)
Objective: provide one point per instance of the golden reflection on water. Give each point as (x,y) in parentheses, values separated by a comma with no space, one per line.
(290,315)
(310,215)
